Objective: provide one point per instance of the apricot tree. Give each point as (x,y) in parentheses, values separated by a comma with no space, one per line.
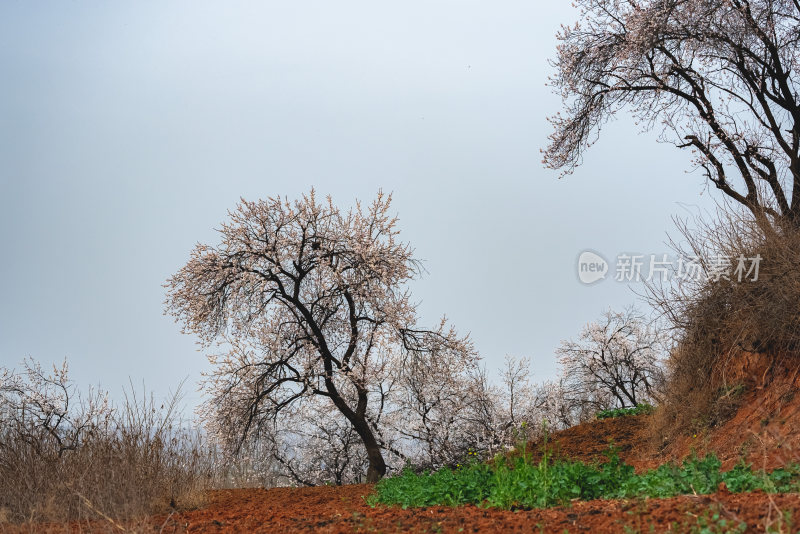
(312,302)
(614,362)
(718,77)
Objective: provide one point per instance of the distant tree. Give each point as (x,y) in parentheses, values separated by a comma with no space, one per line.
(313,302)
(45,410)
(432,414)
(615,361)
(517,390)
(316,445)
(558,407)
(456,415)
(717,77)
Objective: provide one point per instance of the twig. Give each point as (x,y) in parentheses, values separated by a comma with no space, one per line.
(91,507)
(165,522)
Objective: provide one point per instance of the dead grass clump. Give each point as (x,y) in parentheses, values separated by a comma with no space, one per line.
(747,302)
(64,457)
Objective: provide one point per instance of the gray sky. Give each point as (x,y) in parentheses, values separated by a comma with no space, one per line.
(128,130)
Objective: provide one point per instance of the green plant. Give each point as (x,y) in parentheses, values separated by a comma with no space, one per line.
(639,409)
(514,482)
(713,523)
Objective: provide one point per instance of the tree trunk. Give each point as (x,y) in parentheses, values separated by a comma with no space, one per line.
(377,466)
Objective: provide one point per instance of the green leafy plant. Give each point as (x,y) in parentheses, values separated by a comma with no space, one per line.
(639,409)
(514,482)
(712,522)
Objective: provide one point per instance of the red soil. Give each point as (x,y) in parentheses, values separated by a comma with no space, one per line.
(765,428)
(590,441)
(342,509)
(334,510)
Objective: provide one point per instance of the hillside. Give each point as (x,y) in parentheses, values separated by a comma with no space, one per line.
(762,428)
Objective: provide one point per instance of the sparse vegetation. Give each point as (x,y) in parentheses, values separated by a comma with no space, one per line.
(712,520)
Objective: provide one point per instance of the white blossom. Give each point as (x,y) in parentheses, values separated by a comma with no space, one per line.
(311,307)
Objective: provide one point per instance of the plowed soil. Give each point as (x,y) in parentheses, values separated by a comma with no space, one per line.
(329,510)
(342,509)
(768,417)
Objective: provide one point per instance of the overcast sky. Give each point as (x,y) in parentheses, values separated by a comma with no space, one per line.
(127,130)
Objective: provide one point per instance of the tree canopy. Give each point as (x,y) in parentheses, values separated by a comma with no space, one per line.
(312,302)
(718,77)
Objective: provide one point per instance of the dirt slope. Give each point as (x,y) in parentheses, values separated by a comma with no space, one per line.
(590,441)
(764,428)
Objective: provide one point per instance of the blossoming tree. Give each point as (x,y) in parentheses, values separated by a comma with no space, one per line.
(719,77)
(615,362)
(310,302)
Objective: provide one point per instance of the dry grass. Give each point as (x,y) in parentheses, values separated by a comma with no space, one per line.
(718,321)
(64,458)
